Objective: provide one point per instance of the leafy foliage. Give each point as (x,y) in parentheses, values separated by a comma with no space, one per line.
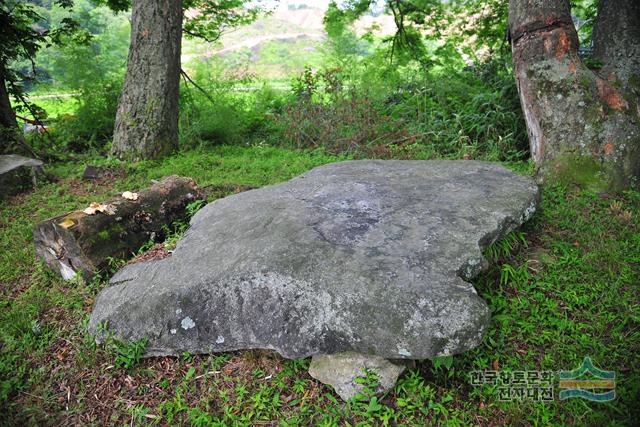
(92,123)
(212,18)
(474,25)
(341,120)
(584,12)
(504,247)
(381,110)
(206,19)
(127,355)
(24,33)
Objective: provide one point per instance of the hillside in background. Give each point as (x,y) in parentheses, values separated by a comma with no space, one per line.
(279,44)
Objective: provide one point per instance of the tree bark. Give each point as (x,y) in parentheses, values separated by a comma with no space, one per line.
(147,116)
(10,136)
(616,40)
(81,243)
(583,128)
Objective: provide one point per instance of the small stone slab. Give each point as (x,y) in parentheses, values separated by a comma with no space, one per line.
(341,371)
(17,173)
(92,173)
(366,256)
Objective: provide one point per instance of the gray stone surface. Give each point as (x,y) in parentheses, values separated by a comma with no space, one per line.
(17,173)
(342,370)
(364,256)
(96,172)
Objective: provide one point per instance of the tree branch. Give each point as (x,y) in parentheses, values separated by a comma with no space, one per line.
(200,36)
(186,77)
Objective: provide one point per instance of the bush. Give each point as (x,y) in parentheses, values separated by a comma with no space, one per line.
(327,112)
(91,127)
(210,123)
(226,113)
(378,110)
(472,113)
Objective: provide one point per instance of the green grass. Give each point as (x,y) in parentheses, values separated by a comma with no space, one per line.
(54,107)
(566,288)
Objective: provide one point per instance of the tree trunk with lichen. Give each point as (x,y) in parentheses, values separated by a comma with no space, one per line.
(147,117)
(81,242)
(616,42)
(583,124)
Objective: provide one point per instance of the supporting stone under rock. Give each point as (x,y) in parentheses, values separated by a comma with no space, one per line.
(341,371)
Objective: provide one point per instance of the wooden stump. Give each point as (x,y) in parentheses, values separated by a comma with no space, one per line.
(82,241)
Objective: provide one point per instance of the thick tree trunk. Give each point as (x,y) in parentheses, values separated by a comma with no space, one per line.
(616,40)
(10,135)
(582,128)
(78,242)
(147,117)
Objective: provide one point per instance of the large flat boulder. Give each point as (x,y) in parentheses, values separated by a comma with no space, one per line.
(366,256)
(17,173)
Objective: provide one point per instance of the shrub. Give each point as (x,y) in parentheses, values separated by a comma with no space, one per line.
(378,110)
(465,113)
(222,110)
(327,112)
(92,124)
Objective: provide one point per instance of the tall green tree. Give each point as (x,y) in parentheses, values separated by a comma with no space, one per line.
(456,25)
(147,117)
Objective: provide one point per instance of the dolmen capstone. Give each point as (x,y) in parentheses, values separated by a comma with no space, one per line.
(372,257)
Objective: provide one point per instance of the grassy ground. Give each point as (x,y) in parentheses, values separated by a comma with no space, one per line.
(566,288)
(53,105)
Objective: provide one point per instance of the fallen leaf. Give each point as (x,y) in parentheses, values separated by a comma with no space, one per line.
(67,223)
